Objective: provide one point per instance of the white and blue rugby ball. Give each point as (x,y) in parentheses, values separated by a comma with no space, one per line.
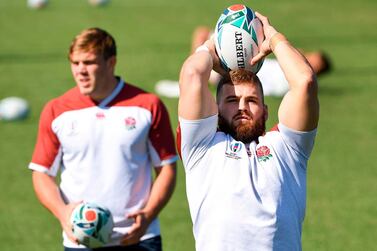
(13,108)
(98,2)
(238,37)
(37,4)
(92,225)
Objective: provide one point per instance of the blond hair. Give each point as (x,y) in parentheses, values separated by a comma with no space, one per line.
(94,40)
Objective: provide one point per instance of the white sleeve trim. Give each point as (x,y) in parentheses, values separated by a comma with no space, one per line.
(40,168)
(156,159)
(169,161)
(53,170)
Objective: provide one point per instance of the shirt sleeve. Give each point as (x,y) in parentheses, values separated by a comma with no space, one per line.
(194,138)
(47,155)
(302,142)
(161,139)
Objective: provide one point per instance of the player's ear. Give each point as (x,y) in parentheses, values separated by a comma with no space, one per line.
(111,62)
(265,116)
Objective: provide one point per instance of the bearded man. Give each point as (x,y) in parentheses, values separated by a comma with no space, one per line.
(246,188)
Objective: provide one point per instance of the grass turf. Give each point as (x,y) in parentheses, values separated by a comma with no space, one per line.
(153,40)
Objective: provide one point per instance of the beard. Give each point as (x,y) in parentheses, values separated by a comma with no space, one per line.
(244,132)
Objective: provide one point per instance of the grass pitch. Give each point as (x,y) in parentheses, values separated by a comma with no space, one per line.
(153,40)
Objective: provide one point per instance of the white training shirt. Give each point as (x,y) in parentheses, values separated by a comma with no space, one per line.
(245,198)
(105,151)
(272,78)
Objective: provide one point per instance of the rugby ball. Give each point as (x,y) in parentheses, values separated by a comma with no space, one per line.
(238,37)
(91,224)
(37,4)
(13,108)
(98,2)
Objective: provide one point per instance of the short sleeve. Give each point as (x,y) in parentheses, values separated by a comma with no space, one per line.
(302,142)
(46,156)
(161,139)
(194,138)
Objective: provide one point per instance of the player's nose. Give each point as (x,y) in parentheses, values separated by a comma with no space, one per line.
(242,105)
(81,67)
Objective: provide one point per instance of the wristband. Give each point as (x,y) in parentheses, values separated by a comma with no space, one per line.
(202,48)
(276,39)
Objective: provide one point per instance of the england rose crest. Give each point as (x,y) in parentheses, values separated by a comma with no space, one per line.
(263,153)
(130,123)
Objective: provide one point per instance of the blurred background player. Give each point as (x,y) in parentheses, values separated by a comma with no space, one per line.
(272,77)
(105,136)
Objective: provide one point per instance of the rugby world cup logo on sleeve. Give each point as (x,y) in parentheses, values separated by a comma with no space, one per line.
(263,153)
(130,123)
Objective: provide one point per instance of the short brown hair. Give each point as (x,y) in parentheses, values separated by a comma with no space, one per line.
(239,76)
(94,40)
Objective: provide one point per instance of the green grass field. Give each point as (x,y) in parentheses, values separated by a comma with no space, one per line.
(153,39)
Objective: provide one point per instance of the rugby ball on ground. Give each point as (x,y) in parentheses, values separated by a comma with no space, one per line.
(13,108)
(238,37)
(37,4)
(92,225)
(98,2)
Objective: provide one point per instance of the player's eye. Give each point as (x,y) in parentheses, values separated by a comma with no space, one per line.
(252,100)
(89,62)
(231,100)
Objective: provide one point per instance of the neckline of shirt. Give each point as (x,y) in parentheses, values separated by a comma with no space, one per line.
(112,95)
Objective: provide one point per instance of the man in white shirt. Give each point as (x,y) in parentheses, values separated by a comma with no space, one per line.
(105,136)
(246,188)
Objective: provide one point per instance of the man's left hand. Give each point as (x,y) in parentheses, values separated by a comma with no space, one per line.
(138,228)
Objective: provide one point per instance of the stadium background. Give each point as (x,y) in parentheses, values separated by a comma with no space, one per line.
(153,39)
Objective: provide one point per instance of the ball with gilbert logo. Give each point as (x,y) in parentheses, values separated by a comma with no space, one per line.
(238,37)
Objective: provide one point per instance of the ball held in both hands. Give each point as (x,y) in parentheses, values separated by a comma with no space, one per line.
(238,37)
(92,225)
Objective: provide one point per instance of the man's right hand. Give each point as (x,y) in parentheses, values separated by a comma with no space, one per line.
(49,195)
(65,220)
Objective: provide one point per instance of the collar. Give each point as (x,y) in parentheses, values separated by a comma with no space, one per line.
(113,94)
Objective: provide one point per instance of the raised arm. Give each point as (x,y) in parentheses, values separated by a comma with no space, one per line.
(196,100)
(299,109)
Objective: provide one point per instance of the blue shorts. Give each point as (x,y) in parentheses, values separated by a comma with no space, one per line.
(151,244)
